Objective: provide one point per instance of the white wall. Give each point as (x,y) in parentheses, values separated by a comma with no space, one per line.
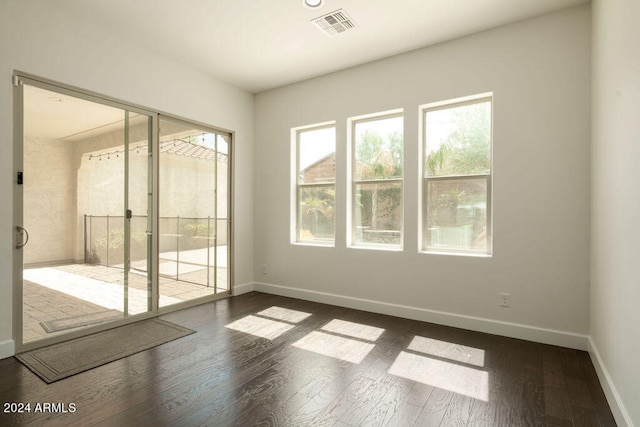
(615,226)
(539,73)
(37,38)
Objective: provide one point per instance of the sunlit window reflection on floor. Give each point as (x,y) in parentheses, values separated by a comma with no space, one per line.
(269,323)
(351,329)
(347,349)
(445,365)
(260,326)
(447,350)
(348,341)
(286,314)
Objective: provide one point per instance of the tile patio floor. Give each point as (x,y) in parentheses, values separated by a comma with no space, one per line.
(53,293)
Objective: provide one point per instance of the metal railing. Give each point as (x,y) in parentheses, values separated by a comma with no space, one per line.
(188,246)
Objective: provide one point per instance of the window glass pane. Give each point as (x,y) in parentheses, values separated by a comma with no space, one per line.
(378,213)
(315,214)
(317,156)
(457,214)
(193,207)
(458,140)
(378,149)
(222,242)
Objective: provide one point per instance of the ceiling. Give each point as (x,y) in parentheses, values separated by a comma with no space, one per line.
(53,115)
(262,44)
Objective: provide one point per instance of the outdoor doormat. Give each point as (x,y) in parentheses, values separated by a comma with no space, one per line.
(63,360)
(79,321)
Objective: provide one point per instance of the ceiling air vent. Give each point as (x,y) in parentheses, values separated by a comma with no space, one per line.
(334,23)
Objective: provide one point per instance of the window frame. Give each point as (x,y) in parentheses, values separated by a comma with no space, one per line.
(425,179)
(352,123)
(296,185)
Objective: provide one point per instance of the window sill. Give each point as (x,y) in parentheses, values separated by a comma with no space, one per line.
(315,244)
(378,248)
(464,254)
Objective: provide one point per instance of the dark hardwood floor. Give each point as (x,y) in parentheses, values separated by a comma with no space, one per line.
(265,360)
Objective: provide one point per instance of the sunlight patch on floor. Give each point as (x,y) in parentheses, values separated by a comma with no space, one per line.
(445,365)
(447,350)
(340,339)
(355,330)
(269,323)
(347,349)
(284,314)
(260,327)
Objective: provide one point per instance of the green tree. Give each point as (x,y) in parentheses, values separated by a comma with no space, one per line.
(378,158)
(466,149)
(316,208)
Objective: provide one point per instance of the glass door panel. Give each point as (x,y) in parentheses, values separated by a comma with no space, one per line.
(86,198)
(193,178)
(222,213)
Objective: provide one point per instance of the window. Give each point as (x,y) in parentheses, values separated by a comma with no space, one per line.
(457,176)
(315,180)
(377,171)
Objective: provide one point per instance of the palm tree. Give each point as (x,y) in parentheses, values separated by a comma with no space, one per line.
(315,203)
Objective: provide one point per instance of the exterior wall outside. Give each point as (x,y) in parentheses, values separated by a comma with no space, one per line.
(317,171)
(49,190)
(538,71)
(615,229)
(187,187)
(100,183)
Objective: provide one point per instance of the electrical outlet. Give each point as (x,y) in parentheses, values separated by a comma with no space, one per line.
(264,268)
(505,299)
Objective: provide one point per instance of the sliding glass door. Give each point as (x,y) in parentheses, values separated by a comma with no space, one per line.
(84,230)
(120,213)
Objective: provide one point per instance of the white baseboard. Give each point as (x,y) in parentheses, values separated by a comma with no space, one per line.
(496,327)
(623,419)
(7,349)
(242,289)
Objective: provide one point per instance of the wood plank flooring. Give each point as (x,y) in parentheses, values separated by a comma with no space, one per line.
(266,360)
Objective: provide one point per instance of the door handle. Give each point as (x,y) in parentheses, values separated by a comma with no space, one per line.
(22,232)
